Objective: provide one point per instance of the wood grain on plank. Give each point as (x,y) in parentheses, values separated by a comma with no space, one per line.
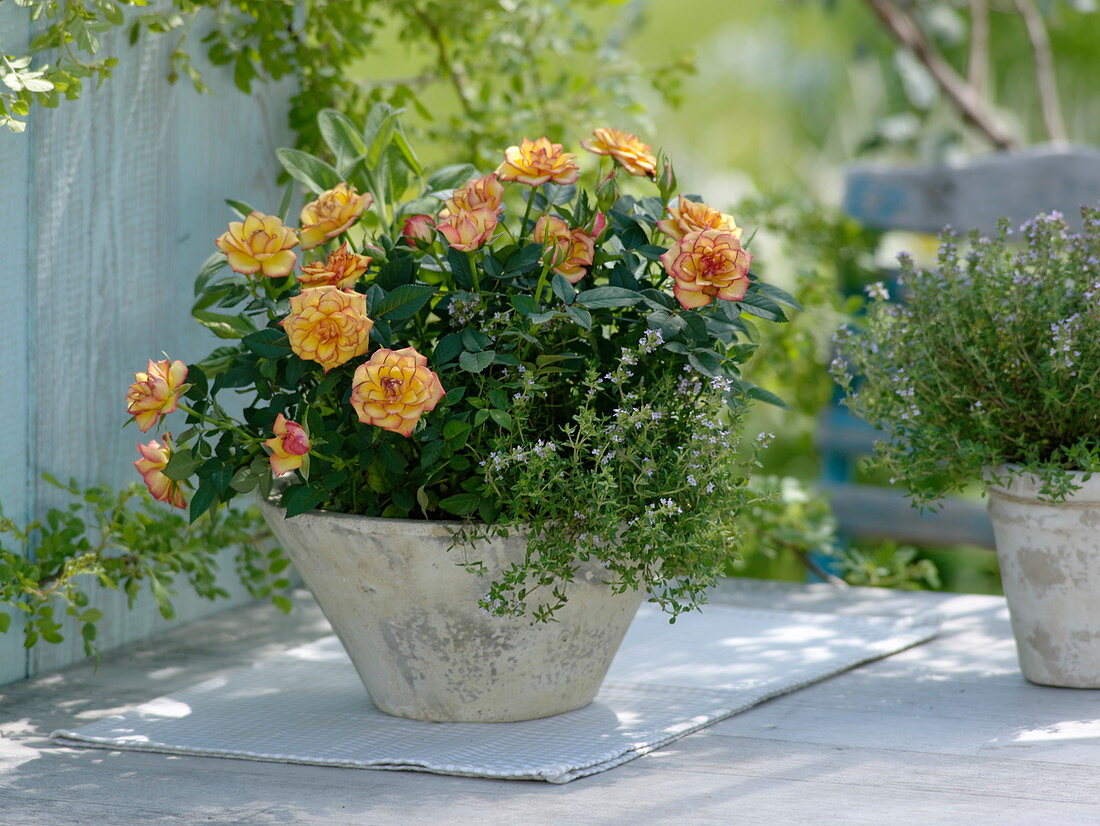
(16,411)
(123,198)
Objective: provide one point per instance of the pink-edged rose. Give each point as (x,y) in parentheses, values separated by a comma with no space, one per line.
(707,264)
(154,459)
(419,230)
(468,230)
(570,251)
(289,446)
(156,392)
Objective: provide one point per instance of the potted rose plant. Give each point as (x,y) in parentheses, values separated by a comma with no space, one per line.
(474,403)
(985,373)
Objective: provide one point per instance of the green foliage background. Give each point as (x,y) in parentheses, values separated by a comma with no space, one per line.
(762,103)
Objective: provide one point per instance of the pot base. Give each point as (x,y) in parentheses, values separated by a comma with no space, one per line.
(406,611)
(1050,569)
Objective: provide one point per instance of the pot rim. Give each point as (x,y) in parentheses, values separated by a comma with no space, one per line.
(1007,482)
(415,526)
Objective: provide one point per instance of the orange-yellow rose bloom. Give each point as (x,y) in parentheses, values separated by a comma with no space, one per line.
(571,250)
(627,149)
(156,392)
(332,213)
(480,192)
(689,216)
(151,465)
(394,389)
(341,269)
(536,162)
(328,325)
(467,230)
(707,264)
(289,446)
(260,243)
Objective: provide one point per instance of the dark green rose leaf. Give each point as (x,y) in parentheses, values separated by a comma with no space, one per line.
(476,362)
(461,504)
(603,297)
(403,302)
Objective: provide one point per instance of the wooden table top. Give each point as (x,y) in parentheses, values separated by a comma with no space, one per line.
(947,732)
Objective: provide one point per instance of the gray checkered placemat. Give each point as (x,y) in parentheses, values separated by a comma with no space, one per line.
(308,705)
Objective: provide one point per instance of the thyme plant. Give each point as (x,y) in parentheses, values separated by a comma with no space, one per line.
(987,365)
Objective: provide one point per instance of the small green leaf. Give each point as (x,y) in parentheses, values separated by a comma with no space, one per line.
(650,252)
(211,267)
(563,289)
(476,362)
(453,428)
(284,205)
(282,603)
(524,304)
(460,267)
(451,177)
(240,207)
(705,362)
(761,306)
(378,132)
(777,295)
(766,396)
(313,173)
(342,137)
(461,504)
(659,300)
(270,343)
(182,465)
(580,315)
(475,340)
(447,350)
(603,297)
(300,498)
(223,325)
(112,12)
(523,260)
(203,500)
(403,302)
(401,141)
(245,479)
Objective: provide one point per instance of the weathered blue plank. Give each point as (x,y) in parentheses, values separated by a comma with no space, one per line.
(17,223)
(123,198)
(975,193)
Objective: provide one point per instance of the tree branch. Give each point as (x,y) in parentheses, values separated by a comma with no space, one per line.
(962,95)
(447,67)
(977,67)
(1043,58)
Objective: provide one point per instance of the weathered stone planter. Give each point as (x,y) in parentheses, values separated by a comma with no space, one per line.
(406,611)
(1050,568)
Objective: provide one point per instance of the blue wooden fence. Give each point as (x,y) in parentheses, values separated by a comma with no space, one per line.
(109,205)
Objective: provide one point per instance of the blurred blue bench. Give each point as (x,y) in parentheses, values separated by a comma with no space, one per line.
(970,195)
